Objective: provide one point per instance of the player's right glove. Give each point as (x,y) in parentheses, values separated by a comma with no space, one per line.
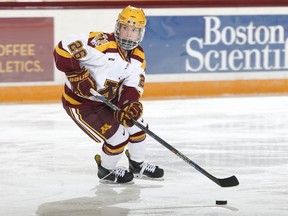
(130,111)
(81,82)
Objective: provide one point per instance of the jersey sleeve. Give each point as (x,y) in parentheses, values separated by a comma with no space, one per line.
(73,52)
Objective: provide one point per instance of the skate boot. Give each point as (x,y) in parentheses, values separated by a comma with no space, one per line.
(144,170)
(117,175)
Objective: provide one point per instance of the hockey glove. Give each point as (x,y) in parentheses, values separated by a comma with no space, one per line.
(81,82)
(130,111)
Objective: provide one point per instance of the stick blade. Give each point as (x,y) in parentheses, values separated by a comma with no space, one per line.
(228,182)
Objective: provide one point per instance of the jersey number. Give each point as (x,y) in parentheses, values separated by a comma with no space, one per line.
(77,50)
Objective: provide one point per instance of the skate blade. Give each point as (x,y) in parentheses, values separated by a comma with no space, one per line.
(105,181)
(137,176)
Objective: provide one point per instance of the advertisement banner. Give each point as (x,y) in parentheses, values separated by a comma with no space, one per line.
(209,44)
(26,46)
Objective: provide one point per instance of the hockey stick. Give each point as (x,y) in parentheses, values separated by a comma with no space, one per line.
(225,182)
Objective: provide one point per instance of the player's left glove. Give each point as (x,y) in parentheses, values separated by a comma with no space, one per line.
(130,111)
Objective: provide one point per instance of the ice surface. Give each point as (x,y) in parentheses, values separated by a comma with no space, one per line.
(47,166)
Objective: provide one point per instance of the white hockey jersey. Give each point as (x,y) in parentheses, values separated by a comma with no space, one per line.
(99,53)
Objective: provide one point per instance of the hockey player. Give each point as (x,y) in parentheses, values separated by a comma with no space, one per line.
(114,65)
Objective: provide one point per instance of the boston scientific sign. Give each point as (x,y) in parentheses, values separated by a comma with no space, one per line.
(195,44)
(245,47)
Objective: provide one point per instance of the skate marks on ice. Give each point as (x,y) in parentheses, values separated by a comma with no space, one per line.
(171,210)
(105,201)
(110,199)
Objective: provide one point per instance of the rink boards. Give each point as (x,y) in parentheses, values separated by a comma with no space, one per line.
(190,52)
(27,94)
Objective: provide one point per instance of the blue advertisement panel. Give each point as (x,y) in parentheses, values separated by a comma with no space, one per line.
(209,44)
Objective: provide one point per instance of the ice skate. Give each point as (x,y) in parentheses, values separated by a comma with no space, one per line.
(118,175)
(145,170)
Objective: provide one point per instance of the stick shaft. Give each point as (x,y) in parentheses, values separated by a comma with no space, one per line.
(227,182)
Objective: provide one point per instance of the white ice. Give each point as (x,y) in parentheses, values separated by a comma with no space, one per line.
(47,166)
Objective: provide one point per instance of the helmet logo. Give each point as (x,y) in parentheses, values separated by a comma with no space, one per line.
(131,22)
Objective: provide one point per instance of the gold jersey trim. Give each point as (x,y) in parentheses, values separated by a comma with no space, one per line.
(138,138)
(62,52)
(139,53)
(111,45)
(114,151)
(75,114)
(70,100)
(143,65)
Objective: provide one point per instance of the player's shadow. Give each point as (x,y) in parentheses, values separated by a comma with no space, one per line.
(103,203)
